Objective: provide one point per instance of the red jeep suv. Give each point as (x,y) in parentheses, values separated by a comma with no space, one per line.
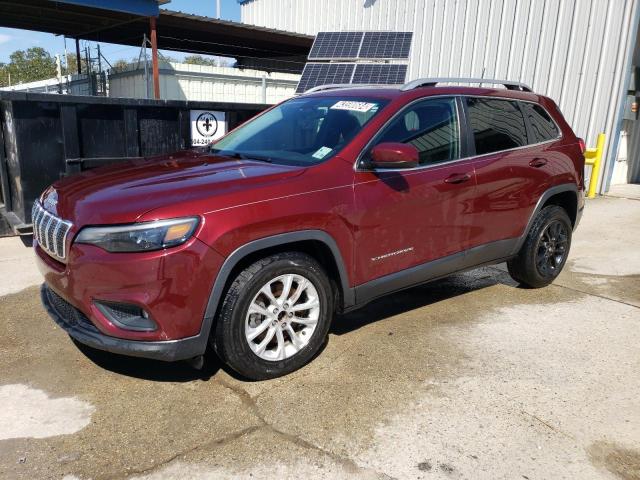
(314,207)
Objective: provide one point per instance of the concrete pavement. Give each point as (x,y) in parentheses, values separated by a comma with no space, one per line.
(17,269)
(469,377)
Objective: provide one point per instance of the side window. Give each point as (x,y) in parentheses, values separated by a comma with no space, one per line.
(496,125)
(543,128)
(431,126)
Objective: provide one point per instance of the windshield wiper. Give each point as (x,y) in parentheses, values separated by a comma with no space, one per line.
(245,156)
(241,156)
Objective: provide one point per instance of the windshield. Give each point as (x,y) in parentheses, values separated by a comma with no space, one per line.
(302,131)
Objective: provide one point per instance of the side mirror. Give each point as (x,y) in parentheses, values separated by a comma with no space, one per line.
(394,155)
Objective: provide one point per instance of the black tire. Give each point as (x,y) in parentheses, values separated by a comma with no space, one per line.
(545,250)
(230,342)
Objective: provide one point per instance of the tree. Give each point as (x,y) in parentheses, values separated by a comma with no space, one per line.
(200,60)
(30,65)
(71,65)
(4,75)
(120,64)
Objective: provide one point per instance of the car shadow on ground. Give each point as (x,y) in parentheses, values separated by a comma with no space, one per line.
(420,296)
(154,370)
(378,310)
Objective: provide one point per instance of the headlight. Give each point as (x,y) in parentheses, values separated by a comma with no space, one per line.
(140,237)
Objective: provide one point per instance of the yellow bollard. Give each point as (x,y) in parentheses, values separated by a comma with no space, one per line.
(593,157)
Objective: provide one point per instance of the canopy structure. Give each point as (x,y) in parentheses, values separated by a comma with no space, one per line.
(127,23)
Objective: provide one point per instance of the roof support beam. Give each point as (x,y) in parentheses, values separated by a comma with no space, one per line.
(78,59)
(154,58)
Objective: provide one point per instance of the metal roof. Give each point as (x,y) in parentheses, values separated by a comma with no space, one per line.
(176,30)
(137,7)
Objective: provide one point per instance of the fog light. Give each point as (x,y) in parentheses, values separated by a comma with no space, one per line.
(127,316)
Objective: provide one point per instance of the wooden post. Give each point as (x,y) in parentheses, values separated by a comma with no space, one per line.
(154,58)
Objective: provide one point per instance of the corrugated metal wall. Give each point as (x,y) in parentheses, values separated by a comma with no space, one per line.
(574,51)
(180,81)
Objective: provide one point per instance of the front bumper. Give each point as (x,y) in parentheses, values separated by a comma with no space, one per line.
(173,286)
(80,328)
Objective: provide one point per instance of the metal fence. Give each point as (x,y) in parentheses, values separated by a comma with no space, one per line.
(44,137)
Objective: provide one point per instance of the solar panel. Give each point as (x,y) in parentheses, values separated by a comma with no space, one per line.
(386,45)
(336,45)
(315,74)
(379,73)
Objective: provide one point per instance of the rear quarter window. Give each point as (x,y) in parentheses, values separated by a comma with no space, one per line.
(543,128)
(496,125)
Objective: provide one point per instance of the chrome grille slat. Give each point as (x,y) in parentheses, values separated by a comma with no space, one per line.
(39,218)
(47,230)
(50,231)
(54,236)
(63,239)
(43,223)
(37,222)
(34,219)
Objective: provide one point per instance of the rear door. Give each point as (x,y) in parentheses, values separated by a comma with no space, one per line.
(409,217)
(512,168)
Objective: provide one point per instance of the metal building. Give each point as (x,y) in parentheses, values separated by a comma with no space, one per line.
(180,81)
(578,52)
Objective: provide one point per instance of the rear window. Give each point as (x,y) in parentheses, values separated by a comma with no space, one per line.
(496,125)
(543,128)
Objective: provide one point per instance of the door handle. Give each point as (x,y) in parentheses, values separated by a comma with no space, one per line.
(538,162)
(458,178)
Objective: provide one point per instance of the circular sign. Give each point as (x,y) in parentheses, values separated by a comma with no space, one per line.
(207,124)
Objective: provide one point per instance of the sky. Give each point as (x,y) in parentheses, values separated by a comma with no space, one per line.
(12,39)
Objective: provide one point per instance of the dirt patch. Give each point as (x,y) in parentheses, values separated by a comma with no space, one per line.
(624,288)
(621,461)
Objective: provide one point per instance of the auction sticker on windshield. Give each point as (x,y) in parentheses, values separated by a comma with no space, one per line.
(353,106)
(321,152)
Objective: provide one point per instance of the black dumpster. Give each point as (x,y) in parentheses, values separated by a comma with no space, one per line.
(46,136)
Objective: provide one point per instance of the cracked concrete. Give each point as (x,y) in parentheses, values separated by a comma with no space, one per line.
(468,377)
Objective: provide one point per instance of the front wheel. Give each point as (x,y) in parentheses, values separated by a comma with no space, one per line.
(545,249)
(275,316)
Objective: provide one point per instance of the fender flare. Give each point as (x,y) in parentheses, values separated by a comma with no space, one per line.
(268,242)
(565,187)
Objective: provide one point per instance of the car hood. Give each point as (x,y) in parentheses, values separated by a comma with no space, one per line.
(124,192)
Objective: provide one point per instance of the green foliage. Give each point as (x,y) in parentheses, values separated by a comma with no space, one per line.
(120,64)
(4,75)
(200,60)
(28,65)
(70,67)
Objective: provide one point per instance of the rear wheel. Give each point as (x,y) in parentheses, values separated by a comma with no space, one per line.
(545,249)
(275,316)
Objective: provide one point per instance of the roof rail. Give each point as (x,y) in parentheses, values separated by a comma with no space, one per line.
(335,86)
(432,82)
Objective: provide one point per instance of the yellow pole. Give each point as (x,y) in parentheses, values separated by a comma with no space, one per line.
(593,157)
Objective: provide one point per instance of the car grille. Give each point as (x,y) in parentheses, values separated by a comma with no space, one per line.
(50,231)
(67,312)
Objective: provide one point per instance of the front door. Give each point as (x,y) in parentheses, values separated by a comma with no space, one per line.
(409,217)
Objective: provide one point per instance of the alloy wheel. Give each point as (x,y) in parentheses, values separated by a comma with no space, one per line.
(552,248)
(282,317)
